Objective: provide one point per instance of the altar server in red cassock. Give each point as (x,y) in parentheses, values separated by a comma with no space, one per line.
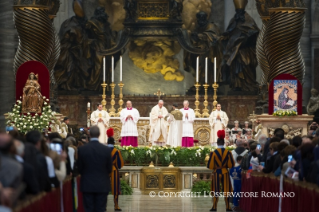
(220,160)
(118,163)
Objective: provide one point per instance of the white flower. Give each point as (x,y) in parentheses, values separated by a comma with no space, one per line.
(132,152)
(45,103)
(19,129)
(47,100)
(49,106)
(44,97)
(18,106)
(14,110)
(31,127)
(28,114)
(24,126)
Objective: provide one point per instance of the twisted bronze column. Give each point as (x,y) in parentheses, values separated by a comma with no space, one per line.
(36,38)
(282,40)
(260,49)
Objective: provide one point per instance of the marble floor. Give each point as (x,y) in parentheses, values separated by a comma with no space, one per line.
(145,203)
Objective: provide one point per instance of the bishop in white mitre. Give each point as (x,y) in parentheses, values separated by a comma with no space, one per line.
(129,117)
(101,118)
(218,120)
(158,132)
(188,120)
(175,120)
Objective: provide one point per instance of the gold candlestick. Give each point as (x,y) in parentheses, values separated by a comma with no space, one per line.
(120,99)
(205,110)
(197,113)
(215,86)
(88,117)
(103,95)
(112,109)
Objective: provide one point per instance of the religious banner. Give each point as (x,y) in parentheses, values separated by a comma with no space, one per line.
(285,96)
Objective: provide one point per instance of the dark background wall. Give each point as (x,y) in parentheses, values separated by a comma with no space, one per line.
(8,45)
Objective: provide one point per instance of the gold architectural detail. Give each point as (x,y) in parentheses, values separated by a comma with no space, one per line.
(202,134)
(197,113)
(205,110)
(289,131)
(104,96)
(215,86)
(32,100)
(159,94)
(206,159)
(240,4)
(151,164)
(167,179)
(153,10)
(112,109)
(171,164)
(120,99)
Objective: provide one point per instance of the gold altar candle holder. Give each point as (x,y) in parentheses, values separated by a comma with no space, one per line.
(103,95)
(215,86)
(205,110)
(197,113)
(120,99)
(112,109)
(88,117)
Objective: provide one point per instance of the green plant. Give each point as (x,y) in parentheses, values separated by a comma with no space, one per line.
(282,113)
(126,189)
(202,186)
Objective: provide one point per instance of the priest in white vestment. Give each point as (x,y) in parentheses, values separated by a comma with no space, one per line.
(101,118)
(188,120)
(218,120)
(175,120)
(158,132)
(129,117)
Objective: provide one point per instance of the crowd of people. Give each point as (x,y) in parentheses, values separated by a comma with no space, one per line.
(38,162)
(34,163)
(296,158)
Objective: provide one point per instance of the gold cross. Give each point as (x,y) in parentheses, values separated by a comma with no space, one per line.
(159,94)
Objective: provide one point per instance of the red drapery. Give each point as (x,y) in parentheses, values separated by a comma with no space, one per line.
(305,194)
(51,202)
(37,68)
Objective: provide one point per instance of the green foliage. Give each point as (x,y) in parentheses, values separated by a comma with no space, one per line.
(126,189)
(27,122)
(202,186)
(282,113)
(180,156)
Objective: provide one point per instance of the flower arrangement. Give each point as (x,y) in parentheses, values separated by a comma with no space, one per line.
(180,156)
(27,122)
(282,113)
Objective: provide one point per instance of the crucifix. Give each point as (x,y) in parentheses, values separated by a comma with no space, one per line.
(159,94)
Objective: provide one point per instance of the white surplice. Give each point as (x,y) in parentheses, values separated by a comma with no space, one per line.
(129,126)
(103,125)
(158,132)
(217,124)
(174,137)
(188,130)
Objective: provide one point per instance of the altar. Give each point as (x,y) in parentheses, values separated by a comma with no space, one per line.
(201,130)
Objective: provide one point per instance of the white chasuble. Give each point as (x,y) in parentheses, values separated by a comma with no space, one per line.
(174,137)
(188,130)
(129,125)
(218,120)
(158,132)
(102,125)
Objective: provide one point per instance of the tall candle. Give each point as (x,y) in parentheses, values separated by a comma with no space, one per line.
(104,69)
(215,69)
(197,68)
(121,68)
(206,64)
(112,69)
(89,105)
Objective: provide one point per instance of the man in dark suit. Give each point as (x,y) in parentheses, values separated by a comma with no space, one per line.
(95,165)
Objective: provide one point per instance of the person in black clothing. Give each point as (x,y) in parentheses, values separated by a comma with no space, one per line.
(296,141)
(273,148)
(34,157)
(280,148)
(307,157)
(29,177)
(95,165)
(266,155)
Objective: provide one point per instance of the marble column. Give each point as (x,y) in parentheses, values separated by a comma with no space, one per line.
(8,45)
